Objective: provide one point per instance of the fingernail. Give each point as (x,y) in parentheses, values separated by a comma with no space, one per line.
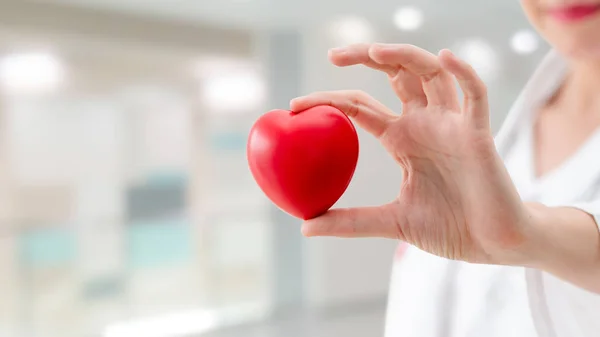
(337,50)
(384,46)
(445,50)
(453,55)
(305,232)
(295,100)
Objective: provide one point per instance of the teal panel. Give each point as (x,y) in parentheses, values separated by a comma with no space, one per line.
(228,141)
(159,243)
(48,248)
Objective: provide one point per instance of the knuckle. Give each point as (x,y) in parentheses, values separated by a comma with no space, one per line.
(363,45)
(352,110)
(426,78)
(358,97)
(482,89)
(469,67)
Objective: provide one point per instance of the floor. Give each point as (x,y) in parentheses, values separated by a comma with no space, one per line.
(358,320)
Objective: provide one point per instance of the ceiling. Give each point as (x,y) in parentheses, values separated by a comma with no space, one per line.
(278,13)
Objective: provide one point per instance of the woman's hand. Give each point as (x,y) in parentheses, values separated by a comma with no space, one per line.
(457,199)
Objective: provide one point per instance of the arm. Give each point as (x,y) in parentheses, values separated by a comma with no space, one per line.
(564,241)
(457,199)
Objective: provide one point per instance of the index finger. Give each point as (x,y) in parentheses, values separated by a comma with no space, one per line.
(438,84)
(367,112)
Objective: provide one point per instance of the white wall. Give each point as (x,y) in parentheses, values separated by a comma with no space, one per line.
(342,270)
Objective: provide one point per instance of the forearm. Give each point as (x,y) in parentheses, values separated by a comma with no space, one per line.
(565,242)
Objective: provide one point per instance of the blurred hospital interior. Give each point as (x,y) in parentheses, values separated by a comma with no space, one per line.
(126,205)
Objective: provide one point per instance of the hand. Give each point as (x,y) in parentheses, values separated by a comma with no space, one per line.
(457,199)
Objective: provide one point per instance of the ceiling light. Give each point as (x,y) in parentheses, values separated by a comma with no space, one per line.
(524,42)
(208,66)
(408,18)
(235,91)
(481,56)
(30,72)
(351,29)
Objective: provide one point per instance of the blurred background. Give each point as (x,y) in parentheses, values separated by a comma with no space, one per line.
(126,205)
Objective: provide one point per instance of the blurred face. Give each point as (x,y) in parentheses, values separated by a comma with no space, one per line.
(571,26)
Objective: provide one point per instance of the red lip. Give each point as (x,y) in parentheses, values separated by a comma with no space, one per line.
(574,13)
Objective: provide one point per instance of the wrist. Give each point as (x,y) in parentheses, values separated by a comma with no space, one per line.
(561,241)
(525,249)
(535,250)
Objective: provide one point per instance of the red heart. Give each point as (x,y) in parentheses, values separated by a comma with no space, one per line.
(303,161)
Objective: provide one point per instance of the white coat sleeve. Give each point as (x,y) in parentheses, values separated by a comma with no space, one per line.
(593,208)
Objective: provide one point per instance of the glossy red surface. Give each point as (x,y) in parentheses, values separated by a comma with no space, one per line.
(303,161)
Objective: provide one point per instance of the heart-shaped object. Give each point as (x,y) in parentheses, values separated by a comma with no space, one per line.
(303,161)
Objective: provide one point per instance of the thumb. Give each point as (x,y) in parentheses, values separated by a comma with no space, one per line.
(382,221)
(367,112)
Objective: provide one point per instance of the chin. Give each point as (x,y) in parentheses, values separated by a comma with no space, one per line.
(579,51)
(576,44)
(579,41)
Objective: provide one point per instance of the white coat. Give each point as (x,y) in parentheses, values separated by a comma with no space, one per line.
(434,297)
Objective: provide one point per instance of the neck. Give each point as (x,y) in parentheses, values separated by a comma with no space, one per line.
(581,92)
